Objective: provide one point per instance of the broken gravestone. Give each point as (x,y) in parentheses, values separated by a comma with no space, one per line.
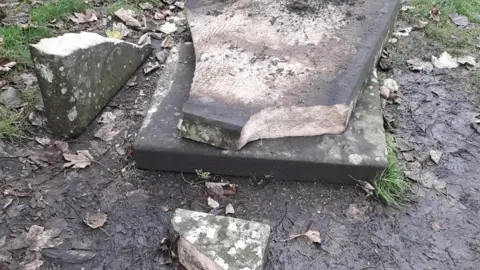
(79,73)
(273,69)
(209,242)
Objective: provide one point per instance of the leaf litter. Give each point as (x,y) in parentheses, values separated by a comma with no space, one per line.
(221,189)
(79,161)
(212,203)
(127,16)
(417,64)
(95,219)
(106,133)
(88,16)
(459,20)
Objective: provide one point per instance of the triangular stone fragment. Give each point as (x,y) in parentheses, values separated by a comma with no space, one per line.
(278,68)
(209,242)
(79,73)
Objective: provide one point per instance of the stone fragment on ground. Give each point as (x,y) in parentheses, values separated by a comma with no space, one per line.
(79,73)
(292,73)
(211,242)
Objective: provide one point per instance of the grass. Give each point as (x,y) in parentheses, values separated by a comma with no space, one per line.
(17,38)
(444,35)
(12,124)
(31,96)
(61,9)
(391,186)
(16,41)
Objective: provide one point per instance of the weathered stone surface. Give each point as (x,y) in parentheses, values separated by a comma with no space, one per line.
(209,242)
(359,152)
(79,73)
(279,68)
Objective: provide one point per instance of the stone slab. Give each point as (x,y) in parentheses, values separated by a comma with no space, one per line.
(359,152)
(280,68)
(78,73)
(209,242)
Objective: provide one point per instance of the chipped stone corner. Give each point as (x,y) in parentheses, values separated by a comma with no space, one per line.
(211,242)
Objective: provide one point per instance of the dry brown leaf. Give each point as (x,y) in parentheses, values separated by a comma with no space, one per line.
(435,14)
(311,235)
(127,16)
(88,16)
(435,156)
(95,219)
(459,20)
(79,161)
(417,64)
(221,189)
(212,203)
(106,133)
(15,192)
(229,209)
(42,141)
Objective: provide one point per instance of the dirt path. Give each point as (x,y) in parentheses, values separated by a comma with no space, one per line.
(438,229)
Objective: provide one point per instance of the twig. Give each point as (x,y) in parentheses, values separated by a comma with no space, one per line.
(283,216)
(191,183)
(103,166)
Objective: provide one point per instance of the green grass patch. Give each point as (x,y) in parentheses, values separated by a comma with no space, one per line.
(391,186)
(61,9)
(12,124)
(16,40)
(445,35)
(31,96)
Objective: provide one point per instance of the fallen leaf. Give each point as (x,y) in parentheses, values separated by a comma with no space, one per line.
(393,40)
(15,192)
(417,64)
(221,189)
(229,209)
(24,78)
(7,67)
(127,16)
(180,4)
(62,146)
(406,8)
(164,208)
(467,59)
(95,219)
(145,39)
(150,67)
(41,238)
(386,62)
(435,156)
(403,145)
(88,16)
(158,16)
(33,265)
(312,236)
(444,61)
(120,149)
(118,31)
(459,20)
(168,28)
(212,203)
(106,133)
(435,14)
(12,98)
(42,141)
(161,56)
(167,42)
(81,160)
(403,32)
(145,6)
(389,87)
(4,203)
(37,119)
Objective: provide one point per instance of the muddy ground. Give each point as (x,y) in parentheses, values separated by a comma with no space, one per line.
(437,229)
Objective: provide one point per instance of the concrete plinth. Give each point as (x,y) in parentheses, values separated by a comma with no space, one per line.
(359,152)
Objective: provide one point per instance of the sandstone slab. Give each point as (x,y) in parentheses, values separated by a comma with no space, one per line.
(359,152)
(79,73)
(209,242)
(280,68)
